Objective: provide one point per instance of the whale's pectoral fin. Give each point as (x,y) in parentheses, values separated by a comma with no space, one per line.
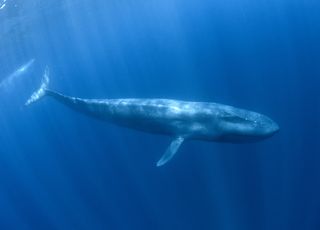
(171,151)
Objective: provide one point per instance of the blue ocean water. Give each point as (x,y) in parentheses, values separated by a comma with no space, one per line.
(62,170)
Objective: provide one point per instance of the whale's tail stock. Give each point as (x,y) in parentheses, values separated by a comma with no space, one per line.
(39,93)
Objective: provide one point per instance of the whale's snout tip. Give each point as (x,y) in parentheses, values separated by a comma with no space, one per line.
(274,128)
(270,127)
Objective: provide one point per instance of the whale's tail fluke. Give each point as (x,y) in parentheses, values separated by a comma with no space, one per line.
(38,94)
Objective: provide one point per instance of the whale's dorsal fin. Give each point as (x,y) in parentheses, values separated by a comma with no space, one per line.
(171,151)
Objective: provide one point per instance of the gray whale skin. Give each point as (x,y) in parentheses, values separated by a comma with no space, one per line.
(180,119)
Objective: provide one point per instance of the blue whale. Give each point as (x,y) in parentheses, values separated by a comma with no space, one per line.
(8,81)
(180,119)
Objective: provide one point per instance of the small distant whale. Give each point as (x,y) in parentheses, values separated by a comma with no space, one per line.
(8,81)
(180,119)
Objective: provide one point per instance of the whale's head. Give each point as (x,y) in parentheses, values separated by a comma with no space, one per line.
(246,126)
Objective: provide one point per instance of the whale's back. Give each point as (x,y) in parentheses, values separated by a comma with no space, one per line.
(153,115)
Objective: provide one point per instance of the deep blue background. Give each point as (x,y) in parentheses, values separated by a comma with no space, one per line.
(62,170)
